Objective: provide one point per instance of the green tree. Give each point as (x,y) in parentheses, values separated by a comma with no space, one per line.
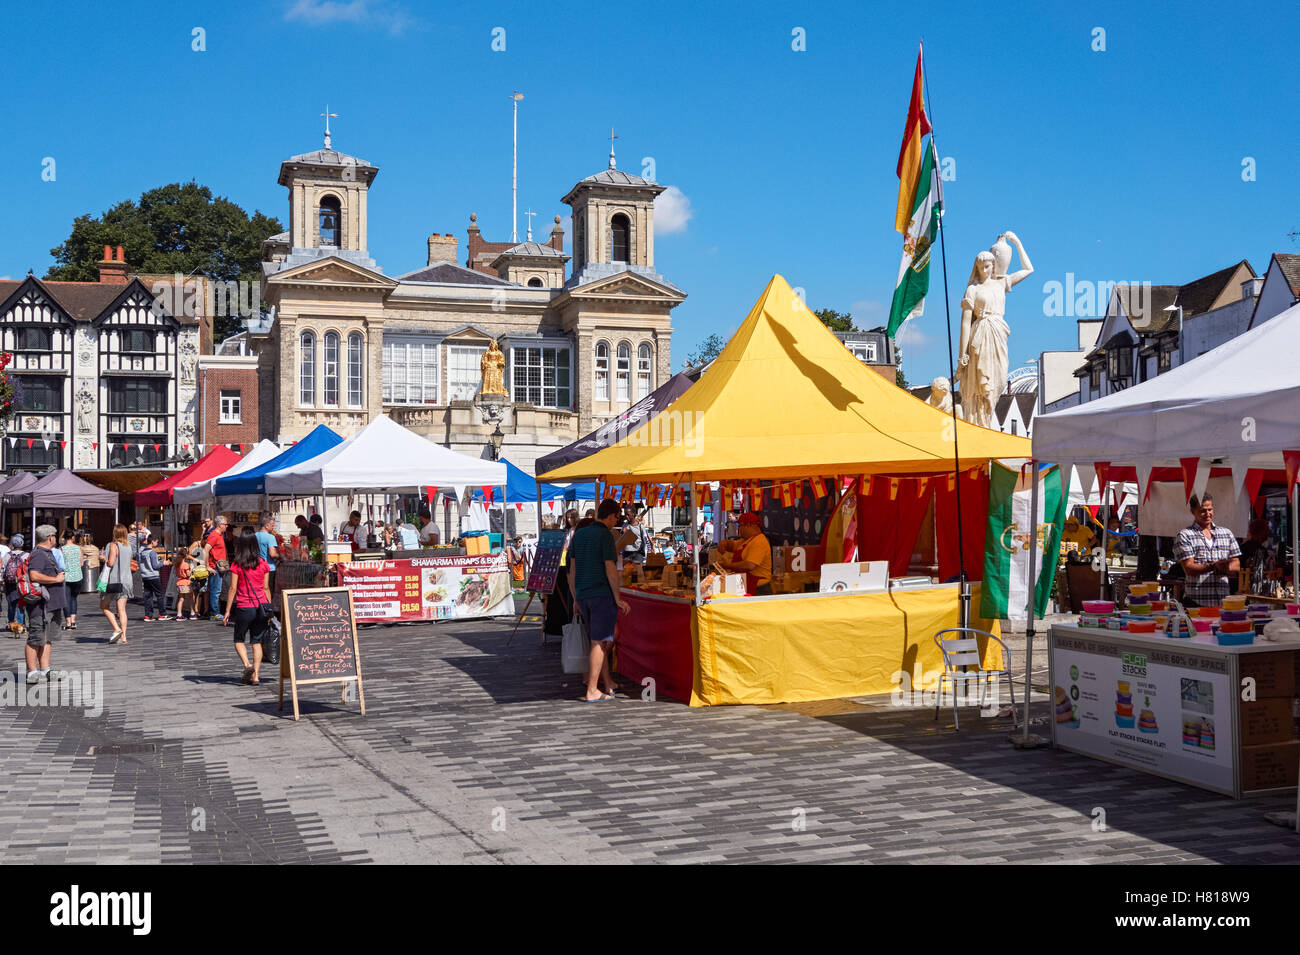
(175,228)
(708,350)
(899,379)
(836,321)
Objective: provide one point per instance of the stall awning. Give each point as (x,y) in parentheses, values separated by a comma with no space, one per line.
(216,462)
(63,489)
(787,399)
(253,481)
(202,491)
(384,457)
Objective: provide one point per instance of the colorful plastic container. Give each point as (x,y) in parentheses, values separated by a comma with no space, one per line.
(1202,626)
(1099,606)
(1235,639)
(1141,626)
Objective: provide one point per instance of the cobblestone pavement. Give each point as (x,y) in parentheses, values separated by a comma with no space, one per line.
(476,751)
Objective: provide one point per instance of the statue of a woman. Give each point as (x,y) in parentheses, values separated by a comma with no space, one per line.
(982,366)
(493,364)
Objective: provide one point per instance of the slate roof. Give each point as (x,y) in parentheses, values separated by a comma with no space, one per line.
(328,157)
(448,273)
(1289,265)
(1199,295)
(84,301)
(534,248)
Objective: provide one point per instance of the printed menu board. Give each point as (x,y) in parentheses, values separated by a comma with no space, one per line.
(320,642)
(1166,711)
(546,562)
(429,588)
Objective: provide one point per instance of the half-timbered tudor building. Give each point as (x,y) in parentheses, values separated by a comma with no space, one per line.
(106,373)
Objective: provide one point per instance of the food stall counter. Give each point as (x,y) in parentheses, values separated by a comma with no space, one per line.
(1213,716)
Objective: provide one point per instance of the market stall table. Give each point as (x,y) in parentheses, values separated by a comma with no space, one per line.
(1175,707)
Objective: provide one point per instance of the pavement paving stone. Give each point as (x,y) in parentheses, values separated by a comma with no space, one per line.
(477,751)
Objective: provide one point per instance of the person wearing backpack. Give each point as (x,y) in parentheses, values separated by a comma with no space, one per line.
(13,561)
(151,579)
(115,583)
(40,581)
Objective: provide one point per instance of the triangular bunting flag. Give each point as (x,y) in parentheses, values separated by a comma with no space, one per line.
(921,485)
(819,487)
(12,442)
(1143,480)
(47,445)
(1087,476)
(30,442)
(1240,467)
(893,488)
(1101,467)
(156,447)
(1189,466)
(63,445)
(1292,459)
(94,445)
(866,484)
(787,495)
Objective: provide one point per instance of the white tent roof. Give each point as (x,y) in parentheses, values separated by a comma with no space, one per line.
(202,491)
(384,456)
(1237,403)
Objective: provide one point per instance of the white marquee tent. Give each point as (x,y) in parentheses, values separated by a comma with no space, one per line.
(384,457)
(202,492)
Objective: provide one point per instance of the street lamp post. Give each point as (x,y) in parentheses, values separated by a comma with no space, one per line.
(496,437)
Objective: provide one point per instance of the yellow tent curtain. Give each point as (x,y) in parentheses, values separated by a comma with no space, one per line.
(786,399)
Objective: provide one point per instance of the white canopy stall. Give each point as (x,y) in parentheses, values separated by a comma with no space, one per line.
(203,493)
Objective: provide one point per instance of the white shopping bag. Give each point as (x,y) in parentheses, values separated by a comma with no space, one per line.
(575,648)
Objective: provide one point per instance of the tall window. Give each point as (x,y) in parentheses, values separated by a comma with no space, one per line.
(642,371)
(624,370)
(620,241)
(41,395)
(410,372)
(307,369)
(331,376)
(356,356)
(602,371)
(463,372)
(540,376)
(331,218)
(231,400)
(137,396)
(1094,378)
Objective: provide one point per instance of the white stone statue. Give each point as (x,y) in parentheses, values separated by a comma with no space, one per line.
(982,366)
(941,396)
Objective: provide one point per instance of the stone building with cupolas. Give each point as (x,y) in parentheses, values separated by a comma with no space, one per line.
(349,340)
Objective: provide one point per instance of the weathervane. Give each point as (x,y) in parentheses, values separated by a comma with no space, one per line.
(327,114)
(612,137)
(530,213)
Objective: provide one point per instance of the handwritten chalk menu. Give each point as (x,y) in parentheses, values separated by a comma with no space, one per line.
(546,562)
(320,643)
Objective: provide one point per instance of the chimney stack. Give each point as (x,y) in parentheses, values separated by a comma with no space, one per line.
(1251,288)
(113,270)
(442,248)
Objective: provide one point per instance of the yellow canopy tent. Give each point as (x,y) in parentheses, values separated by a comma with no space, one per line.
(787,399)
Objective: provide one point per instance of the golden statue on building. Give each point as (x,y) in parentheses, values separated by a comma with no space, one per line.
(493,365)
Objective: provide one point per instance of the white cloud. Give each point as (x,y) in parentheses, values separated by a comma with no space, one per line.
(867,314)
(375,13)
(910,335)
(672,211)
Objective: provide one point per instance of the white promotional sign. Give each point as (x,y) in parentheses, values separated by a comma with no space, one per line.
(1166,711)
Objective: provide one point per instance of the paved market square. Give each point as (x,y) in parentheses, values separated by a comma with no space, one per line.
(478,751)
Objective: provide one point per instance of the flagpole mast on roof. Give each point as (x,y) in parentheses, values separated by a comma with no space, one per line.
(952,368)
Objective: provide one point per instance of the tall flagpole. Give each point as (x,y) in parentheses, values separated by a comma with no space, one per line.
(514,174)
(964,586)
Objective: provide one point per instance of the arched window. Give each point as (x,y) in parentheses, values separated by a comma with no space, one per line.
(331,395)
(624,371)
(642,371)
(331,221)
(307,369)
(620,242)
(602,371)
(356,361)
(534,282)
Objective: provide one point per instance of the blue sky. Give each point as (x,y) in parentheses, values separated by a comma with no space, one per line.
(1119,165)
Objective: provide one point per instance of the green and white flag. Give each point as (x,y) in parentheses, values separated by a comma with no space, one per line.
(1004,593)
(922,230)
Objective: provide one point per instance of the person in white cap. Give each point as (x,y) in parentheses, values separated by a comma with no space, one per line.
(43,569)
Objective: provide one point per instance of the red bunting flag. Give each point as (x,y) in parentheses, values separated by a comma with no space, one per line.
(30,442)
(787,495)
(1189,475)
(798,490)
(706,494)
(1292,461)
(819,487)
(94,445)
(489,492)
(156,447)
(1101,467)
(520,506)
(63,444)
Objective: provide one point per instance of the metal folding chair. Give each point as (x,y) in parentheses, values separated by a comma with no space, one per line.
(960,653)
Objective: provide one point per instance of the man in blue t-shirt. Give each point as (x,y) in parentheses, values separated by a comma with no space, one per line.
(43,569)
(593,581)
(267,546)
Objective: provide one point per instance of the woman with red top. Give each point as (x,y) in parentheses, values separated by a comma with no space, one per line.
(250,589)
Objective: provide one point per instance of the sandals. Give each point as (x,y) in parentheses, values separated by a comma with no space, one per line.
(247,678)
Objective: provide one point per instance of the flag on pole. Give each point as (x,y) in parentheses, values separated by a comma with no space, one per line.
(1007,583)
(909,154)
(918,241)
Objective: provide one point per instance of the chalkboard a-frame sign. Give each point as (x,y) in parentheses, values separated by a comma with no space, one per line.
(320,642)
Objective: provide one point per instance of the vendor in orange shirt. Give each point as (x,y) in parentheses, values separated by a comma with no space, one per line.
(751,554)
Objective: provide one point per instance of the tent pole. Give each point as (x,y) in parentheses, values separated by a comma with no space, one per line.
(692,536)
(1033,591)
(1295,586)
(1105,559)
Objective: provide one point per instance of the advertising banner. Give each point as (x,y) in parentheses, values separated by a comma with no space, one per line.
(1163,711)
(429,588)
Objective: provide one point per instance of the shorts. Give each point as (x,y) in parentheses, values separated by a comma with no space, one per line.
(600,614)
(182,588)
(38,633)
(248,622)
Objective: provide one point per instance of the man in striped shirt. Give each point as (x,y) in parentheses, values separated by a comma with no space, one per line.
(1208,553)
